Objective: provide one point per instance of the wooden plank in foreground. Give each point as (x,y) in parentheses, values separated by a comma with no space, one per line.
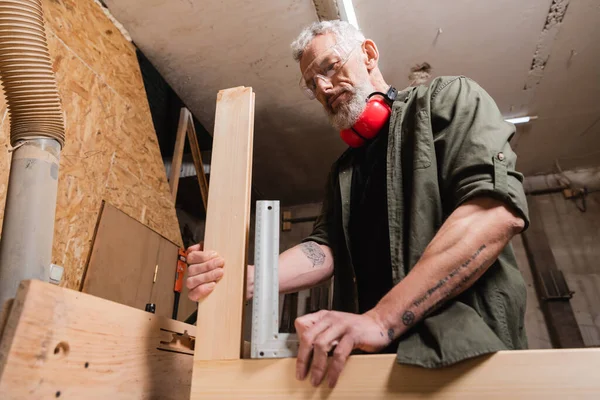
(59,343)
(219,324)
(530,374)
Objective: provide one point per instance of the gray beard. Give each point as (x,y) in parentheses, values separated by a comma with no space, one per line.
(347,113)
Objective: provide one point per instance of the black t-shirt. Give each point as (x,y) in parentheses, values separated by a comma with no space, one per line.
(368,225)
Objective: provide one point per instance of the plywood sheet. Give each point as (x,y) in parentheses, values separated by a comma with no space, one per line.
(82,27)
(111,151)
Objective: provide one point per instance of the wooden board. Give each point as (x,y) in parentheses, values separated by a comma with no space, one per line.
(60,343)
(532,374)
(123,258)
(123,262)
(219,332)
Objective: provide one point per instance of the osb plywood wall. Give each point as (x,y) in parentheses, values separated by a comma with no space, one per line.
(111,150)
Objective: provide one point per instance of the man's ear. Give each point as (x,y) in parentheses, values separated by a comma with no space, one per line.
(371,54)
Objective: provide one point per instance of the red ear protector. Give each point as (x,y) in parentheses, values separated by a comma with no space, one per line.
(375,115)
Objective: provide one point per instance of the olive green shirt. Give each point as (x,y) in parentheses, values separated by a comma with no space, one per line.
(447,143)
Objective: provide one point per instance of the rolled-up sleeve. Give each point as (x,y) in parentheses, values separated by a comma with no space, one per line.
(321,228)
(472,147)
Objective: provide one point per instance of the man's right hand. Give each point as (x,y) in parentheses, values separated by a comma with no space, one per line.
(205,269)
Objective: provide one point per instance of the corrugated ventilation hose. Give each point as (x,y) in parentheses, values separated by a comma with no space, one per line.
(26,73)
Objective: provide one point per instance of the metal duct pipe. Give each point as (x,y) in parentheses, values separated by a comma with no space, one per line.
(37,135)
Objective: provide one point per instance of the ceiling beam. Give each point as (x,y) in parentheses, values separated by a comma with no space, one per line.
(336,9)
(326,9)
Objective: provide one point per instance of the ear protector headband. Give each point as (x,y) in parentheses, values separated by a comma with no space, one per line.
(373,118)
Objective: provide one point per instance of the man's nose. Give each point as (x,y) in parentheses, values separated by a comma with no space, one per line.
(323,85)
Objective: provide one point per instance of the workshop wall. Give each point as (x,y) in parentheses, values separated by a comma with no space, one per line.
(535,325)
(574,237)
(111,151)
(299,230)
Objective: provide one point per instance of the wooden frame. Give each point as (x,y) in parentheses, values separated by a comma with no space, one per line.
(219,373)
(186,126)
(219,333)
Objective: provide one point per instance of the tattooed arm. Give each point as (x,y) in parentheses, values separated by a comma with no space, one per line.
(463,249)
(301,267)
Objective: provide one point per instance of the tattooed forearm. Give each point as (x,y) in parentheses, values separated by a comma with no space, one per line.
(313,252)
(451,292)
(408,318)
(452,274)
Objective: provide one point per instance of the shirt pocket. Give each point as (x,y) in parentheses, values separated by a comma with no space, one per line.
(423,141)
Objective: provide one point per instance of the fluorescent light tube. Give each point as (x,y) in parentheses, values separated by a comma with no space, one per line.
(347,13)
(520,120)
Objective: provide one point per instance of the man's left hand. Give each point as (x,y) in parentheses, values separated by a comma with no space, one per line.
(323,331)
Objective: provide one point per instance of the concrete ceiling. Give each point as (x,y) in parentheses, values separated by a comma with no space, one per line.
(532,57)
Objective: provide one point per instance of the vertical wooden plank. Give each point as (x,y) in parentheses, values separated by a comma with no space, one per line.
(184,115)
(219,325)
(198,164)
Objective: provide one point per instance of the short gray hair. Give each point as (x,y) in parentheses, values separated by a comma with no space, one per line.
(343,31)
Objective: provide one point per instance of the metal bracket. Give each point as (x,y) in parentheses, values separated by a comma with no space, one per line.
(266,340)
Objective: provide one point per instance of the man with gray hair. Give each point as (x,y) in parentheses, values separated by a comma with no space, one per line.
(416,222)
